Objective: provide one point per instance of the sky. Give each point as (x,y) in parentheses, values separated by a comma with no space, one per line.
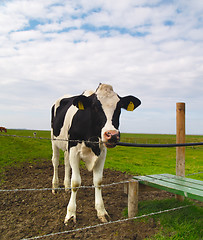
(149,49)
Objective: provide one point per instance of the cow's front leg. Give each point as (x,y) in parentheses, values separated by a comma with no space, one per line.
(75,183)
(97,178)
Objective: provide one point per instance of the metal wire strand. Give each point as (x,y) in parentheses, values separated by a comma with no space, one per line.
(107,223)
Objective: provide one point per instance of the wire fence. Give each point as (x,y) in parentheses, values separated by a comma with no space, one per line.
(81,187)
(49,189)
(107,223)
(119,143)
(92,142)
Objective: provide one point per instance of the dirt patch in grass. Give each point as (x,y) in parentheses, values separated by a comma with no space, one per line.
(29,214)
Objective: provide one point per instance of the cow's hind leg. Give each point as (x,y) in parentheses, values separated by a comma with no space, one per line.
(55,162)
(75,183)
(97,178)
(67,171)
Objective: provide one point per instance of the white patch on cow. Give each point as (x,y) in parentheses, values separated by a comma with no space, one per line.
(88,156)
(64,130)
(109,100)
(88,93)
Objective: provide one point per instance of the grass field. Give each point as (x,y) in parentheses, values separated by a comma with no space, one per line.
(184,224)
(142,161)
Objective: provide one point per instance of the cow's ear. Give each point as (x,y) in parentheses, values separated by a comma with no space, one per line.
(130,103)
(82,102)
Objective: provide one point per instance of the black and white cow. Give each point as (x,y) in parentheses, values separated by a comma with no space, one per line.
(92,119)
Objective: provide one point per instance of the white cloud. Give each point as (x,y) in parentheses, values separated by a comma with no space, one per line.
(49,48)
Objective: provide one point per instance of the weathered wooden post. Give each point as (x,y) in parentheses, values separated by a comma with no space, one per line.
(133,198)
(180,138)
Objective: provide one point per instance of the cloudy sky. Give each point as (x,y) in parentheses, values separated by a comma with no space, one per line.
(152,49)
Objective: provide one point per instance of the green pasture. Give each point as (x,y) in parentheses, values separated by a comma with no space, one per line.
(139,161)
(144,161)
(181,224)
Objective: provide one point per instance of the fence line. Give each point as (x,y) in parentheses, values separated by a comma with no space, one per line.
(190,174)
(51,139)
(107,223)
(119,143)
(49,189)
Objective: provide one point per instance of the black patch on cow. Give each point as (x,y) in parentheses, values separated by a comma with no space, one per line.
(116,116)
(126,100)
(85,101)
(52,115)
(87,124)
(93,143)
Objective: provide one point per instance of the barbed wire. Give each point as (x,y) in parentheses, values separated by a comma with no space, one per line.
(119,143)
(190,174)
(69,188)
(52,139)
(107,223)
(111,184)
(49,189)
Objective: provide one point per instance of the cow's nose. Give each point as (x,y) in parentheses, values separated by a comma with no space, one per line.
(111,137)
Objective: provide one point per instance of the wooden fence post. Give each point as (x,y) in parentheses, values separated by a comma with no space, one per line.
(180,138)
(133,198)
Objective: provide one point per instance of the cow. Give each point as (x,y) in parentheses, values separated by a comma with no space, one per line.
(3,129)
(84,126)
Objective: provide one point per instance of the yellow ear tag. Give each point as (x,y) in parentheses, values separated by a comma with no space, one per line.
(131,106)
(80,105)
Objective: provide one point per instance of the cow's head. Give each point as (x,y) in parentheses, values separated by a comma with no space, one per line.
(105,106)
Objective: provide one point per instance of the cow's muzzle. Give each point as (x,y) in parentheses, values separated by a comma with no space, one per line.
(111,137)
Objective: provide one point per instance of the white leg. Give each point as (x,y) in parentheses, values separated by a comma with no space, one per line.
(97,178)
(55,162)
(67,171)
(75,182)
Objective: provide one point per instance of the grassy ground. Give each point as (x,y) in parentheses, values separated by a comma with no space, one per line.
(143,161)
(181,224)
(16,150)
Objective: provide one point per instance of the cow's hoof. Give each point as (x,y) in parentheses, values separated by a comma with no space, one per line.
(67,220)
(54,191)
(67,186)
(67,189)
(55,187)
(103,218)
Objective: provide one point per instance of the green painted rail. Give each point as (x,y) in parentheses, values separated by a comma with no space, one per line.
(175,184)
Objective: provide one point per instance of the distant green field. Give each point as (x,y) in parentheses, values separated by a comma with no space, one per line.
(141,161)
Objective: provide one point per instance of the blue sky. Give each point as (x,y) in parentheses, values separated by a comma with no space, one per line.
(149,49)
